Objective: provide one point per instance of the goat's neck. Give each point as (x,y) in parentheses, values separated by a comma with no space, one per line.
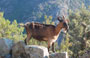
(58,29)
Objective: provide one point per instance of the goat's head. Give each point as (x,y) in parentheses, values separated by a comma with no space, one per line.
(64,23)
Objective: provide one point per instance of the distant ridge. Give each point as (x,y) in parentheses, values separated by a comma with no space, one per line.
(34,10)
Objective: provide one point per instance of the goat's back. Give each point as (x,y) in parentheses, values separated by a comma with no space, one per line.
(39,30)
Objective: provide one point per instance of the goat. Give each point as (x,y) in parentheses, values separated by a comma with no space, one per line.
(45,32)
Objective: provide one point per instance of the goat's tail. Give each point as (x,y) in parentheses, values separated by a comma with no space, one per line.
(21,25)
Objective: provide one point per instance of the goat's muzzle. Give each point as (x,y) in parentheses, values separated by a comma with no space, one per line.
(66,28)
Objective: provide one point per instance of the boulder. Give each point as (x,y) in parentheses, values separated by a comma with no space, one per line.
(35,51)
(20,50)
(5,46)
(59,55)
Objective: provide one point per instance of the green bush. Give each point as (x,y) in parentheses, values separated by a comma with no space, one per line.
(10,30)
(77,30)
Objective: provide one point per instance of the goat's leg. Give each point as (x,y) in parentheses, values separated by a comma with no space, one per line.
(49,44)
(27,39)
(53,49)
(48,47)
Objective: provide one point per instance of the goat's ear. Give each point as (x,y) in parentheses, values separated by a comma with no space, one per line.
(58,18)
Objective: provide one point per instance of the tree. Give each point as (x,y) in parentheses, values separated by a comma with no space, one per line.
(48,20)
(76,30)
(10,30)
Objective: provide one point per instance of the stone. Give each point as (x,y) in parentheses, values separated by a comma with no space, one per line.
(18,50)
(5,46)
(2,57)
(35,51)
(59,55)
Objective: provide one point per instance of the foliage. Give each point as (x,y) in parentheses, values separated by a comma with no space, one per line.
(48,20)
(66,44)
(73,43)
(77,30)
(10,30)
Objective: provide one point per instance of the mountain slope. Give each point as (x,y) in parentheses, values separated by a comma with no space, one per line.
(27,10)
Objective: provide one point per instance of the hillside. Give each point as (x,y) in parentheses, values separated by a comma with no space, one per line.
(34,10)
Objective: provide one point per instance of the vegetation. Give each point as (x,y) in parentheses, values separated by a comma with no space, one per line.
(77,30)
(40,8)
(10,30)
(73,43)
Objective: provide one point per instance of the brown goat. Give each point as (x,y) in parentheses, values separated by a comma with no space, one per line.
(45,32)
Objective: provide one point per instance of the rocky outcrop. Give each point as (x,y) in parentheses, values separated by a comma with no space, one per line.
(59,55)
(36,51)
(5,47)
(20,50)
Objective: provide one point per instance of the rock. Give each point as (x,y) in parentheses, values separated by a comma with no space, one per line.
(35,51)
(2,57)
(18,50)
(59,55)
(5,46)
